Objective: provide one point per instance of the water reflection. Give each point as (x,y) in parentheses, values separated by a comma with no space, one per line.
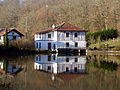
(106,63)
(8,67)
(60,64)
(68,72)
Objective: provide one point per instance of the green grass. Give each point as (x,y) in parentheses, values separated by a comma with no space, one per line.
(111,43)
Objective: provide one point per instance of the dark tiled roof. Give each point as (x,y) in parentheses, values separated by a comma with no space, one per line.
(63,27)
(2,31)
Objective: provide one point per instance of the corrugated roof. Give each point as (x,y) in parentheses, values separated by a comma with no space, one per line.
(63,27)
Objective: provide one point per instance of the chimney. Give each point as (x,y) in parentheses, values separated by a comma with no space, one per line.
(53,26)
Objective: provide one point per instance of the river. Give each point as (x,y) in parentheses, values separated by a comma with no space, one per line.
(61,72)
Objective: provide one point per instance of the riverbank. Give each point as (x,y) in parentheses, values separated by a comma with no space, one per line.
(102,52)
(11,50)
(20,51)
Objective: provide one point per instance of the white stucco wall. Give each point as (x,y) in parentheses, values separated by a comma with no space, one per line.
(61,36)
(43,45)
(59,39)
(45,36)
(62,44)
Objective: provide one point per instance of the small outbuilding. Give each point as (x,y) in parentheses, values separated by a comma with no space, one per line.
(12,35)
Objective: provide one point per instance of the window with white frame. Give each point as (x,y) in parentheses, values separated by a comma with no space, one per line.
(76,35)
(76,59)
(49,67)
(67,44)
(49,35)
(67,34)
(67,69)
(75,69)
(76,44)
(39,35)
(67,59)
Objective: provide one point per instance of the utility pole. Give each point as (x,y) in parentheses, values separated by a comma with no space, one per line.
(47,15)
(26,58)
(26,32)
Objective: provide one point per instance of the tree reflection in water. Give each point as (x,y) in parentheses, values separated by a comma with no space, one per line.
(103,62)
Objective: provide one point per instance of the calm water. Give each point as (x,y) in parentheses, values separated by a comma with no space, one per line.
(60,72)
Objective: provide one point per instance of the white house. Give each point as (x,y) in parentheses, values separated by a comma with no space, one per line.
(60,64)
(64,36)
(12,34)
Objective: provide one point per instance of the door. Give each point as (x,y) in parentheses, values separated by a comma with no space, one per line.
(49,46)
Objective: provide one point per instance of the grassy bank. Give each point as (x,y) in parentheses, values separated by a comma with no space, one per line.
(106,45)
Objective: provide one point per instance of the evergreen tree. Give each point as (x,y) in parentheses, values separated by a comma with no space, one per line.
(105,34)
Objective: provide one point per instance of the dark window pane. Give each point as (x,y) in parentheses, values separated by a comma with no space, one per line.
(76,44)
(75,69)
(76,59)
(49,58)
(54,57)
(76,34)
(67,69)
(49,35)
(67,44)
(39,58)
(36,58)
(39,35)
(49,67)
(67,59)
(67,34)
(39,67)
(39,45)
(49,46)
(36,45)
(14,37)
(54,46)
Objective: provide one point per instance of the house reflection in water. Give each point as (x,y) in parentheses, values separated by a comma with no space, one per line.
(60,64)
(8,67)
